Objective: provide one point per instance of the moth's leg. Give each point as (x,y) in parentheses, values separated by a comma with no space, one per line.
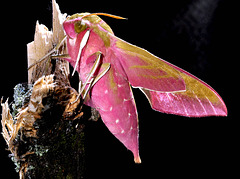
(79,86)
(90,78)
(41,59)
(103,70)
(60,56)
(50,53)
(82,45)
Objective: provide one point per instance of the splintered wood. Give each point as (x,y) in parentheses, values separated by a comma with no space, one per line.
(43,45)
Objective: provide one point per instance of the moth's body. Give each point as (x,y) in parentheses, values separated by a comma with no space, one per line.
(168,88)
(108,95)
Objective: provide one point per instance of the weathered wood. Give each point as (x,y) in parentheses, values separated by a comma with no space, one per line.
(44,42)
(44,130)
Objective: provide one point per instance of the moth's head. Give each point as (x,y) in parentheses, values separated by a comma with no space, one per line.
(78,23)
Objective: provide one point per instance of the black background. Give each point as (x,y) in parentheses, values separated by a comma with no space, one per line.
(196,35)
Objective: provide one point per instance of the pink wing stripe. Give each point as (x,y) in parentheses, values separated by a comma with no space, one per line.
(180,104)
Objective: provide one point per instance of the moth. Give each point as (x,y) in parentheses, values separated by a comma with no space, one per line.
(108,67)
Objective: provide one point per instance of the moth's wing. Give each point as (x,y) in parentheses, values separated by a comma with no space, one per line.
(113,98)
(146,70)
(198,100)
(168,88)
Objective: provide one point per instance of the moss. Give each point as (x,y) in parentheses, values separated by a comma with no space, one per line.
(22,93)
(40,150)
(16,163)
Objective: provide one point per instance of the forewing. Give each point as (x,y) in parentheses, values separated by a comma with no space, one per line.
(146,70)
(168,88)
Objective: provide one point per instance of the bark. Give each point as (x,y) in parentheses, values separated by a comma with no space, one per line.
(43,127)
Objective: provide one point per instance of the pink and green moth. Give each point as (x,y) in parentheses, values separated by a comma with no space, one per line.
(108,66)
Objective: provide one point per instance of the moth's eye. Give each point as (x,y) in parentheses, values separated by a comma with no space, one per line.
(79,26)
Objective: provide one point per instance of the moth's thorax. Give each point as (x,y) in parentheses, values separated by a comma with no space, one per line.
(74,24)
(99,38)
(94,44)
